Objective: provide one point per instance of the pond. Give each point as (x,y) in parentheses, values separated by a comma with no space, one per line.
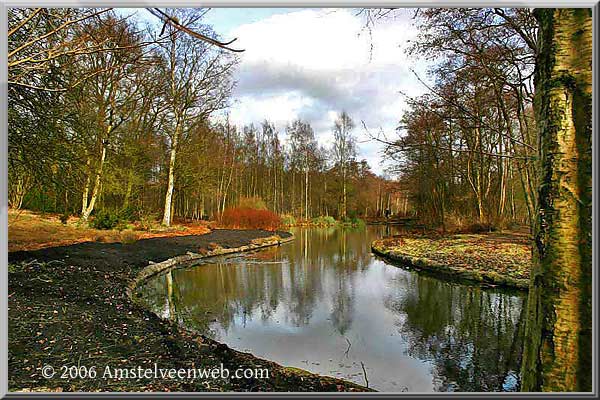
(326,304)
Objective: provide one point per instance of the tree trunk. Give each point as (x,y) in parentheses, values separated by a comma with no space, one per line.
(171,184)
(344,195)
(306,192)
(18,192)
(231,169)
(86,188)
(558,347)
(293,199)
(130,179)
(89,206)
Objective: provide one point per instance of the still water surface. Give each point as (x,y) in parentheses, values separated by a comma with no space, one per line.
(324,303)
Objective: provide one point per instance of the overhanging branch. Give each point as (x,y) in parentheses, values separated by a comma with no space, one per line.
(167,19)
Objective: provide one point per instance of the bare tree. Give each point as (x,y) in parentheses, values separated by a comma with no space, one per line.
(197,83)
(111,92)
(303,148)
(39,38)
(344,152)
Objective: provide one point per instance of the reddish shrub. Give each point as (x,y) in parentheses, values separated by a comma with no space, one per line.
(249,218)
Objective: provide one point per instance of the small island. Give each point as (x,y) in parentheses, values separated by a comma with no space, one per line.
(493,259)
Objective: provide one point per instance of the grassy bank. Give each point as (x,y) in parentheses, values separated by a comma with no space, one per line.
(29,230)
(69,306)
(502,259)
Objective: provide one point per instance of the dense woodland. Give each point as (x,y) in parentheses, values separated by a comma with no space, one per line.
(467,148)
(108,114)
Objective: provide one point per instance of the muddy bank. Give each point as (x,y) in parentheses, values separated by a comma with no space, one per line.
(494,259)
(69,306)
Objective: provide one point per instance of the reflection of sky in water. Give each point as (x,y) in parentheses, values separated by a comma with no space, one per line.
(325,304)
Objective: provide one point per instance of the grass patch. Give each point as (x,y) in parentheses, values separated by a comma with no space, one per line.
(31,231)
(324,221)
(498,258)
(288,220)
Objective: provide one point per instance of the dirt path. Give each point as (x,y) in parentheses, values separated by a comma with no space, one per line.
(68,306)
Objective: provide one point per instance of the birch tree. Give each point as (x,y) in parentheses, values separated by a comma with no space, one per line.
(344,152)
(111,91)
(197,83)
(303,147)
(558,343)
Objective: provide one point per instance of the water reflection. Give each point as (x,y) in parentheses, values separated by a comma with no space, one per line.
(326,304)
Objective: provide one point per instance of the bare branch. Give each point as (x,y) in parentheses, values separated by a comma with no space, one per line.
(36,87)
(55,30)
(405,147)
(167,19)
(468,113)
(25,21)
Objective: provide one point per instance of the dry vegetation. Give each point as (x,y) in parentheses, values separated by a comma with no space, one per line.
(249,218)
(497,258)
(31,231)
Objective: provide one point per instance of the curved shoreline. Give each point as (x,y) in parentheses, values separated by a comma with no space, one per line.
(172,263)
(156,268)
(453,271)
(81,298)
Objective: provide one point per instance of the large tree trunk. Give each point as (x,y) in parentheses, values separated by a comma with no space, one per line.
(558,351)
(171,179)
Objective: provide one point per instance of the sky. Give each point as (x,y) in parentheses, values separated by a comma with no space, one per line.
(314,63)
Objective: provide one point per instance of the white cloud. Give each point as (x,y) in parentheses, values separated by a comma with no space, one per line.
(314,63)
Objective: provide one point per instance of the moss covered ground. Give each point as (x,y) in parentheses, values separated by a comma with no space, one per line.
(502,259)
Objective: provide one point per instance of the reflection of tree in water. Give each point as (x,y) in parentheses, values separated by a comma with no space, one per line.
(473,336)
(343,308)
(344,261)
(290,279)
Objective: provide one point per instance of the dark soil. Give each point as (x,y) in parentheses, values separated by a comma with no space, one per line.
(68,306)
